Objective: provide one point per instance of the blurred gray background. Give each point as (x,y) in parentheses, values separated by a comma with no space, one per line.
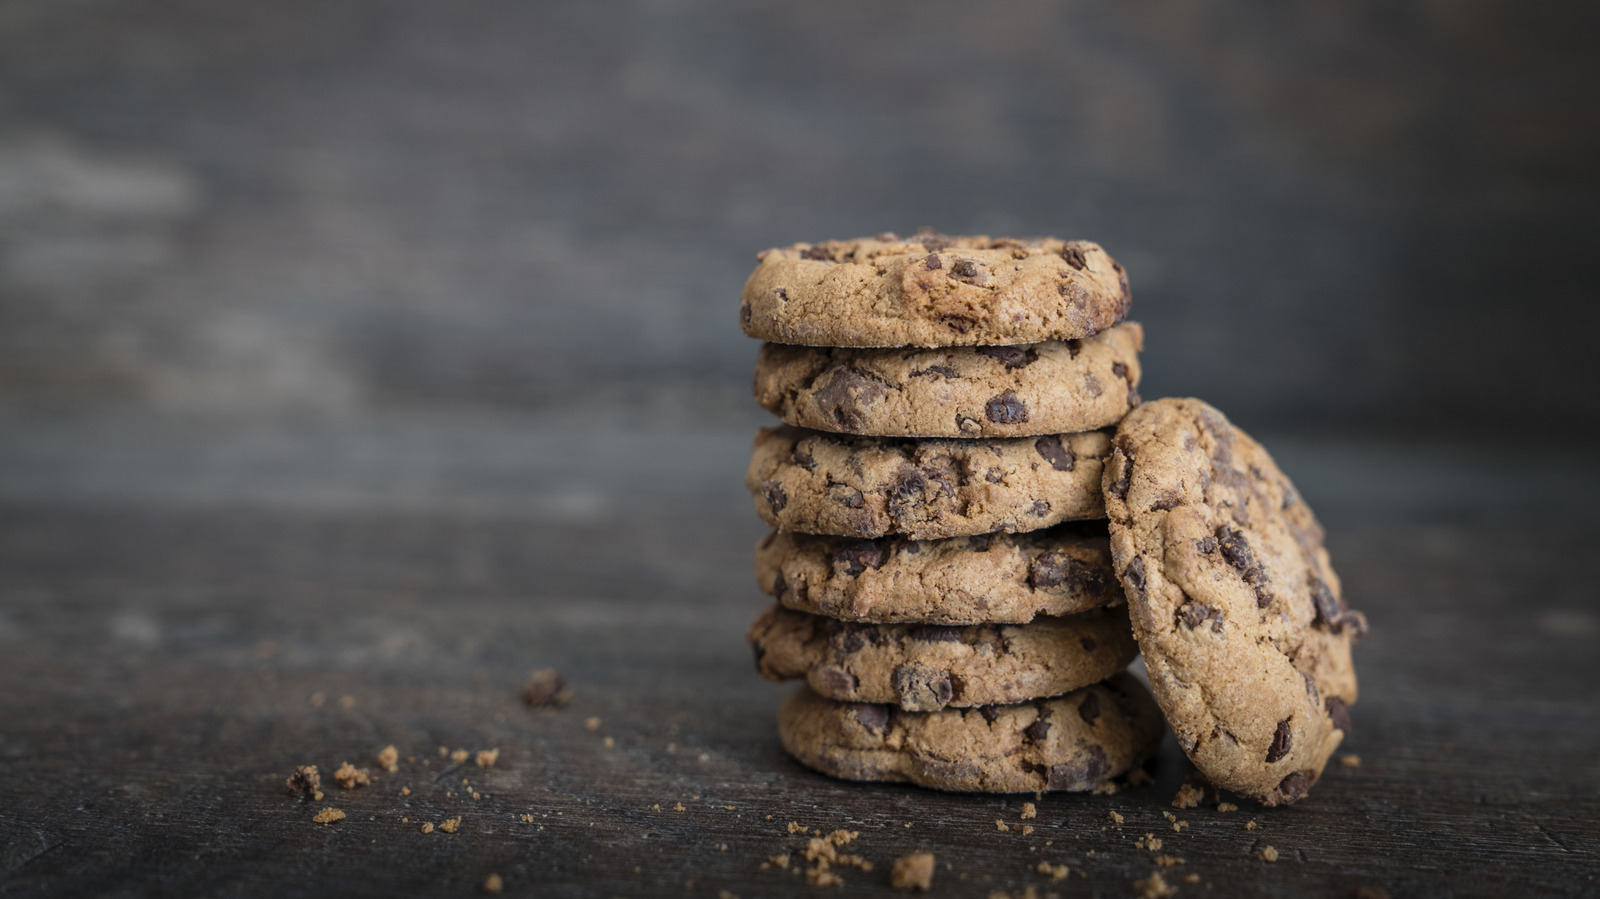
(1340,219)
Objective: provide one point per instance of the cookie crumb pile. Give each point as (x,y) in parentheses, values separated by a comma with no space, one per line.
(939,559)
(977,526)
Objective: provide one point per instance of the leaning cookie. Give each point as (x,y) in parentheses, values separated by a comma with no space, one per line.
(990,391)
(1238,613)
(988,578)
(1071,742)
(923,668)
(933,290)
(819,483)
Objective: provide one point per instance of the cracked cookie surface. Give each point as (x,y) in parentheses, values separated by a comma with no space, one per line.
(933,290)
(983,579)
(1072,742)
(991,391)
(1236,608)
(820,483)
(923,668)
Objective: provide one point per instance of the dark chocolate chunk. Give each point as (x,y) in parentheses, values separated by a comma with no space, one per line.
(873,717)
(859,555)
(1295,786)
(1282,741)
(989,713)
(1195,613)
(776,498)
(1083,776)
(1037,731)
(1122,462)
(1055,452)
(1012,357)
(965,268)
(1007,409)
(1050,570)
(1087,643)
(934,633)
(817,253)
(1074,257)
(1339,712)
(922,689)
(831,680)
(802,458)
(932,262)
(847,395)
(1134,575)
(1041,507)
(1089,709)
(943,371)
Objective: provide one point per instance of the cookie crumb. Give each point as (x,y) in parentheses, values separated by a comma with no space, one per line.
(1226,807)
(608,742)
(913,872)
(487,758)
(1269,854)
(528,819)
(328,816)
(678,807)
(427,827)
(350,777)
(1027,829)
(1350,760)
(726,894)
(1178,826)
(1105,788)
(797,827)
(1188,796)
(1250,825)
(459,756)
(1056,873)
(546,688)
(405,791)
(1115,818)
(781,860)
(388,758)
(347,702)
(1191,878)
(493,885)
(450,825)
(1154,887)
(1169,816)
(1000,825)
(1167,861)
(1029,811)
(822,878)
(305,781)
(591,723)
(1149,841)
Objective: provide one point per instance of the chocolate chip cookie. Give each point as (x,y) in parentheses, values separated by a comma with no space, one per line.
(990,391)
(1244,631)
(923,668)
(988,578)
(1071,742)
(820,483)
(933,290)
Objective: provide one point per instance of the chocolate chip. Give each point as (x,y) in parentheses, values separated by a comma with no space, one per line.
(781,294)
(1091,385)
(1089,708)
(1282,740)
(1037,731)
(1055,452)
(744,315)
(1012,357)
(803,459)
(1041,507)
(1006,409)
(1122,463)
(851,641)
(1074,257)
(931,241)
(921,689)
(1083,776)
(1050,570)
(979,543)
(831,680)
(873,717)
(1087,643)
(1167,502)
(847,395)
(1236,550)
(1194,613)
(1339,712)
(989,713)
(943,371)
(1331,611)
(776,498)
(966,424)
(1295,786)
(801,589)
(993,475)
(1134,575)
(859,555)
(853,499)
(815,252)
(932,262)
(965,268)
(1206,545)
(1121,371)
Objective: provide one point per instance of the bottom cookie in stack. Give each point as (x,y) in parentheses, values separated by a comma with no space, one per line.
(1070,742)
(1044,705)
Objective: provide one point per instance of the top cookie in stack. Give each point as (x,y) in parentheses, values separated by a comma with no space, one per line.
(939,394)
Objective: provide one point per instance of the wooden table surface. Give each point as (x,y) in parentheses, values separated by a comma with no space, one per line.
(191,608)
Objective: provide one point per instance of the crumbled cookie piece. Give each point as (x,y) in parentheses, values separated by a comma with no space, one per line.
(781,860)
(546,688)
(427,827)
(678,807)
(487,757)
(405,791)
(1029,811)
(350,777)
(1149,841)
(822,878)
(1250,825)
(328,816)
(459,756)
(1350,760)
(389,758)
(1167,861)
(1115,818)
(1056,873)
(1191,878)
(305,781)
(493,885)
(1000,825)
(1269,854)
(1188,796)
(913,872)
(1226,807)
(450,825)
(1154,887)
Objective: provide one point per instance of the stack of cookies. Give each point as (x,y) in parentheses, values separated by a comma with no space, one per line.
(948,583)
(940,557)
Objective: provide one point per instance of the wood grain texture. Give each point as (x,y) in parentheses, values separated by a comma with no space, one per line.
(160,657)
